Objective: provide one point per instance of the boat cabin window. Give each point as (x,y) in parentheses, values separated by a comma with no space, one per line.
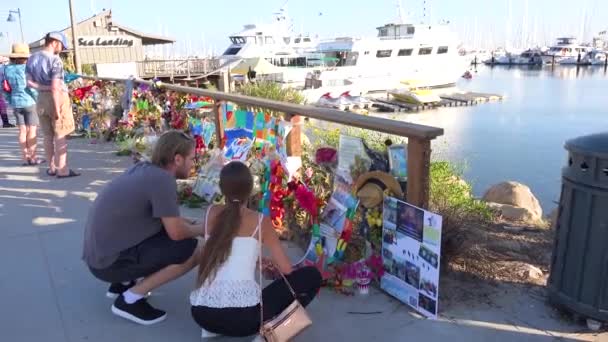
(237,40)
(565,41)
(383,32)
(405,52)
(384,53)
(287,40)
(425,51)
(297,41)
(289,61)
(232,51)
(350,59)
(341,58)
(366,53)
(306,40)
(442,49)
(411,30)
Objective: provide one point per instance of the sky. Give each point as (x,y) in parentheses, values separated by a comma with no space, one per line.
(205,25)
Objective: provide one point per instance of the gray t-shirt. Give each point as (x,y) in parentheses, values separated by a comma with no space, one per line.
(43,67)
(128,211)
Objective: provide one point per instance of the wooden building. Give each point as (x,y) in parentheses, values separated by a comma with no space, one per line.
(102,41)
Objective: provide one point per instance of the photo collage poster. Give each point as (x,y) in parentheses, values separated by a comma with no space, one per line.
(338,213)
(411,254)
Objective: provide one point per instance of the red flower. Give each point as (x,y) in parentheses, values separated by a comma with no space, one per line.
(326,155)
(306,199)
(200,144)
(292,186)
(375,263)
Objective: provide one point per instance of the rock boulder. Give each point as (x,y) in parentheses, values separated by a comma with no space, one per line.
(515,202)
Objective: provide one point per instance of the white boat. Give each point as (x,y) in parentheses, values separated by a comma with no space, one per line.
(404,51)
(528,57)
(399,52)
(595,57)
(566,51)
(496,57)
(278,44)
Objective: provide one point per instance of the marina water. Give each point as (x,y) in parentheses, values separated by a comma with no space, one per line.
(522,137)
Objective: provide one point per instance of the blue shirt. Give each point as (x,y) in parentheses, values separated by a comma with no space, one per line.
(21,96)
(43,67)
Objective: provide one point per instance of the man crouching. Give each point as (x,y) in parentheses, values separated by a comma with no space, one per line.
(134,230)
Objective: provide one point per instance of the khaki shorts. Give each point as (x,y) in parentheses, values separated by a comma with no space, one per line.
(46,113)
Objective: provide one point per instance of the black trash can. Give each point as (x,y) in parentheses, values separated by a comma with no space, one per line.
(579,267)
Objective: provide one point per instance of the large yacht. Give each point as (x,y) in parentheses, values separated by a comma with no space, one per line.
(402,52)
(426,55)
(290,55)
(276,42)
(566,51)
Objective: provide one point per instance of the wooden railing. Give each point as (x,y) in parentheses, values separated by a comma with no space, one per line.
(419,136)
(176,68)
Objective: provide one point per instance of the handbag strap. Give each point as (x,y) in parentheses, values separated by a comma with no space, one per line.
(293,293)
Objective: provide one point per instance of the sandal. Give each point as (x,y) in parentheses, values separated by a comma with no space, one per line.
(72,173)
(36,161)
(49,173)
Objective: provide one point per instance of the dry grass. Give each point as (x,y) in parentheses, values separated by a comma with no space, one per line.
(488,257)
(494,253)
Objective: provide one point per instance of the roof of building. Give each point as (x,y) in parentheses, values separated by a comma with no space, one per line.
(146,39)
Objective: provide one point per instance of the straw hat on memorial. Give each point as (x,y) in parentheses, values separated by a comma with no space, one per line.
(370,188)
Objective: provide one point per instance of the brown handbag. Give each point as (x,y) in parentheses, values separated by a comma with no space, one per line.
(290,322)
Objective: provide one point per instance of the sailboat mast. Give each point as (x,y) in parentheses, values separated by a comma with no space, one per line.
(508,28)
(524,27)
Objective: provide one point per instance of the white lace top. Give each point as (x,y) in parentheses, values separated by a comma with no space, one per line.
(234,285)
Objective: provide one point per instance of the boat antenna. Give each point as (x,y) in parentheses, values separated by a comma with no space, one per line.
(401,12)
(427,18)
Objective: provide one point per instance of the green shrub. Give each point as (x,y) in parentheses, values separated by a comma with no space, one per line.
(453,199)
(272,91)
(331,137)
(89,69)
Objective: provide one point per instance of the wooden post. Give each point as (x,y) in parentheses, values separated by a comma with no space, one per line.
(219,124)
(418,169)
(224,82)
(294,138)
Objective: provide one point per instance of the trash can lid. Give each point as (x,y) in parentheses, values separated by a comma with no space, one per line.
(594,144)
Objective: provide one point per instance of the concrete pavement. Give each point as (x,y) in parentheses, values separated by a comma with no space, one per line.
(48,294)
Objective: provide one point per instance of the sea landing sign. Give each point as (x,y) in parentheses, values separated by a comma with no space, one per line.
(105,41)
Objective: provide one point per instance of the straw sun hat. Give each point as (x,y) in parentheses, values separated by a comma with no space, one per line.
(370,188)
(19,50)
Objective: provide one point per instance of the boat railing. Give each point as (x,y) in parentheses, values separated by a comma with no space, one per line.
(419,137)
(176,67)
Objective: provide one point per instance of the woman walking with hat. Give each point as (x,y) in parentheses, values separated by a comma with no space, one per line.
(22,99)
